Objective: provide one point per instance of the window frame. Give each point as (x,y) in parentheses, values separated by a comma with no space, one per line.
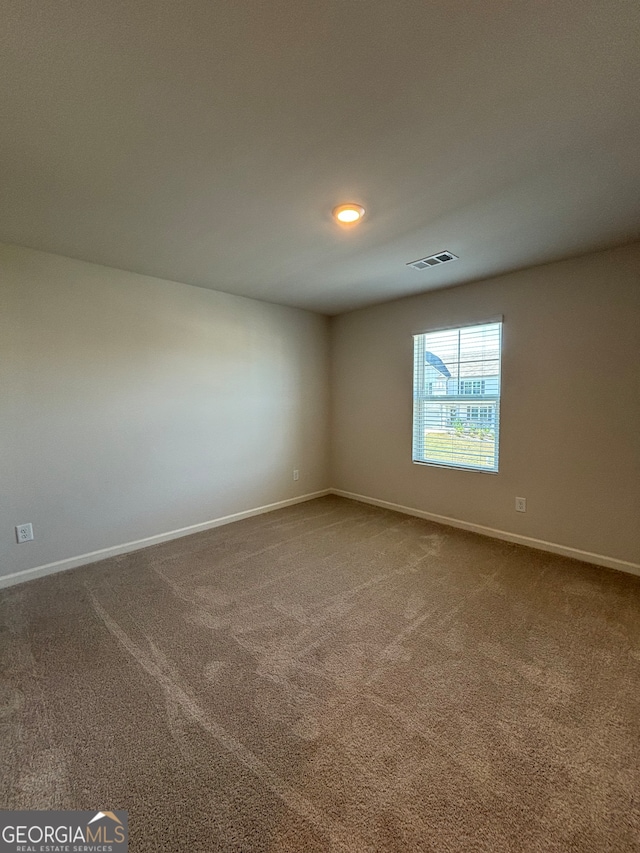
(458,400)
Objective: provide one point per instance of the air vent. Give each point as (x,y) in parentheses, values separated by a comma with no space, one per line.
(433,261)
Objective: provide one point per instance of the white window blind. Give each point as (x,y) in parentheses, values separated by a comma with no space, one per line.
(458,424)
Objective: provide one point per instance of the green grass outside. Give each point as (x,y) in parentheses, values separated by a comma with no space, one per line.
(478,452)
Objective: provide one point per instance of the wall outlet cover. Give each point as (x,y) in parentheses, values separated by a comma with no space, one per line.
(24,532)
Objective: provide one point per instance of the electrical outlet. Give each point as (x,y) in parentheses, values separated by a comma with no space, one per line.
(296,474)
(24,532)
(521,504)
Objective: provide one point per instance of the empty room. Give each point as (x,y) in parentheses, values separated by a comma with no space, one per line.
(319,426)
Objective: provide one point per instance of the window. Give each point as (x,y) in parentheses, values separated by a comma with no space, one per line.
(472,386)
(478,413)
(451,368)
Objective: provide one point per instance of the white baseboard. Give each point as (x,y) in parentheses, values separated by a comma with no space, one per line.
(105,553)
(539,544)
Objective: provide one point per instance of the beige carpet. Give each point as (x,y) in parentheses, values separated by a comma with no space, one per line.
(331,676)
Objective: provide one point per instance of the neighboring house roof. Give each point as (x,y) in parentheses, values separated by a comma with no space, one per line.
(471,367)
(486,365)
(438,363)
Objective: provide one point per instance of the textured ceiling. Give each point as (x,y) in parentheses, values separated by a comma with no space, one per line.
(207,141)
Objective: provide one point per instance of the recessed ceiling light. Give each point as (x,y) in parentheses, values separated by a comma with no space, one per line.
(348,214)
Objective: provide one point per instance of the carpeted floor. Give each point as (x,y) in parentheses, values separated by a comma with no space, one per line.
(331,676)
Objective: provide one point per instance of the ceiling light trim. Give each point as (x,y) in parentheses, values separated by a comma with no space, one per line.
(349,213)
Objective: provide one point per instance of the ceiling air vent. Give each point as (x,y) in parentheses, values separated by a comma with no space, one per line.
(433,261)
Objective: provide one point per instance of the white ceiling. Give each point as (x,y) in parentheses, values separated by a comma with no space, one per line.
(206,141)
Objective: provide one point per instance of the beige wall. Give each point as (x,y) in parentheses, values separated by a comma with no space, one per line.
(132,406)
(570,415)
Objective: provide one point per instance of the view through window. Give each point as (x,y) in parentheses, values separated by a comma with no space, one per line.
(456,397)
